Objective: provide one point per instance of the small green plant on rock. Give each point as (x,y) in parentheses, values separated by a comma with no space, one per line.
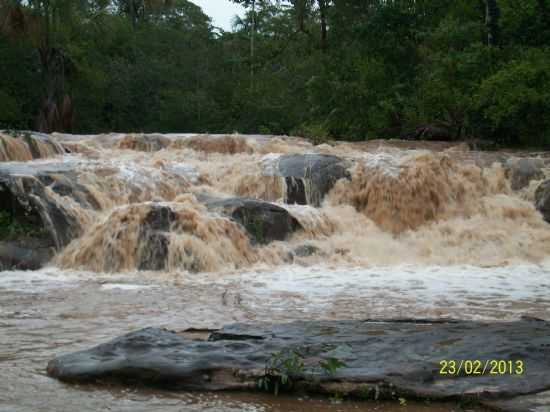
(331,365)
(280,371)
(366,392)
(11,229)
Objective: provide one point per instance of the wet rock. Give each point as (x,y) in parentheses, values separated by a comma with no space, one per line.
(537,402)
(263,221)
(308,178)
(153,255)
(303,251)
(23,195)
(522,171)
(25,254)
(306,251)
(542,199)
(378,359)
(63,186)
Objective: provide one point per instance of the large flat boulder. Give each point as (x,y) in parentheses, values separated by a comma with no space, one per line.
(367,359)
(308,177)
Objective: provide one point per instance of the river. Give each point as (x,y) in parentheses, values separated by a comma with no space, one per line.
(470,249)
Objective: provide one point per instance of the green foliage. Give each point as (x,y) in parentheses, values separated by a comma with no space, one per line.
(382,69)
(317,133)
(516,99)
(331,365)
(11,228)
(280,371)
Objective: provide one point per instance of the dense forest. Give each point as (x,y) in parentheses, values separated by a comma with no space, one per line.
(325,69)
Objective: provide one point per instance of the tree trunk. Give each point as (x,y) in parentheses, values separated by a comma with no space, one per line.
(252,43)
(300,7)
(492,15)
(323,13)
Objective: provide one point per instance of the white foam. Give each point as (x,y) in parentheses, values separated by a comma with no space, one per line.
(468,292)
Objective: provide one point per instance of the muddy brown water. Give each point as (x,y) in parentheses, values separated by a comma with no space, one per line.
(57,312)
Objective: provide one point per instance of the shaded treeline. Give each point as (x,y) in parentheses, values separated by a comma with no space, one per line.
(350,69)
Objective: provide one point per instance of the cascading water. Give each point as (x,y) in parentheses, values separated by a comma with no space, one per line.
(382,207)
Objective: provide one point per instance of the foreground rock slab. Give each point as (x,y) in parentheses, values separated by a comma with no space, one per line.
(370,359)
(538,402)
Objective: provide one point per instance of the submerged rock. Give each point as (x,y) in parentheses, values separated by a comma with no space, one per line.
(263,221)
(26,253)
(542,199)
(145,142)
(522,171)
(367,359)
(308,178)
(158,236)
(227,144)
(306,250)
(154,238)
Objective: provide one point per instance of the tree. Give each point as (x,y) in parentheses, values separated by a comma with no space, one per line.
(492,15)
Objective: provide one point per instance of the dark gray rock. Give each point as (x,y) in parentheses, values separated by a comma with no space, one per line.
(49,224)
(538,402)
(310,177)
(64,186)
(542,199)
(153,255)
(383,359)
(23,194)
(306,251)
(522,171)
(25,254)
(263,221)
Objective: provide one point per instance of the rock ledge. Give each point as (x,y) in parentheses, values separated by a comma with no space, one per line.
(375,359)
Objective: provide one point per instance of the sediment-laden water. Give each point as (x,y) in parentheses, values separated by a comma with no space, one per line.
(199,231)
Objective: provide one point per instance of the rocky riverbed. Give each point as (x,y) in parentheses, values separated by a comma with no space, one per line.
(127,231)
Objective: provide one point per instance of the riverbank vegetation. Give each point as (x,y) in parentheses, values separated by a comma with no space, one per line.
(326,69)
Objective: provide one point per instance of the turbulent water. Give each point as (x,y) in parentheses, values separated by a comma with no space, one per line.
(423,230)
